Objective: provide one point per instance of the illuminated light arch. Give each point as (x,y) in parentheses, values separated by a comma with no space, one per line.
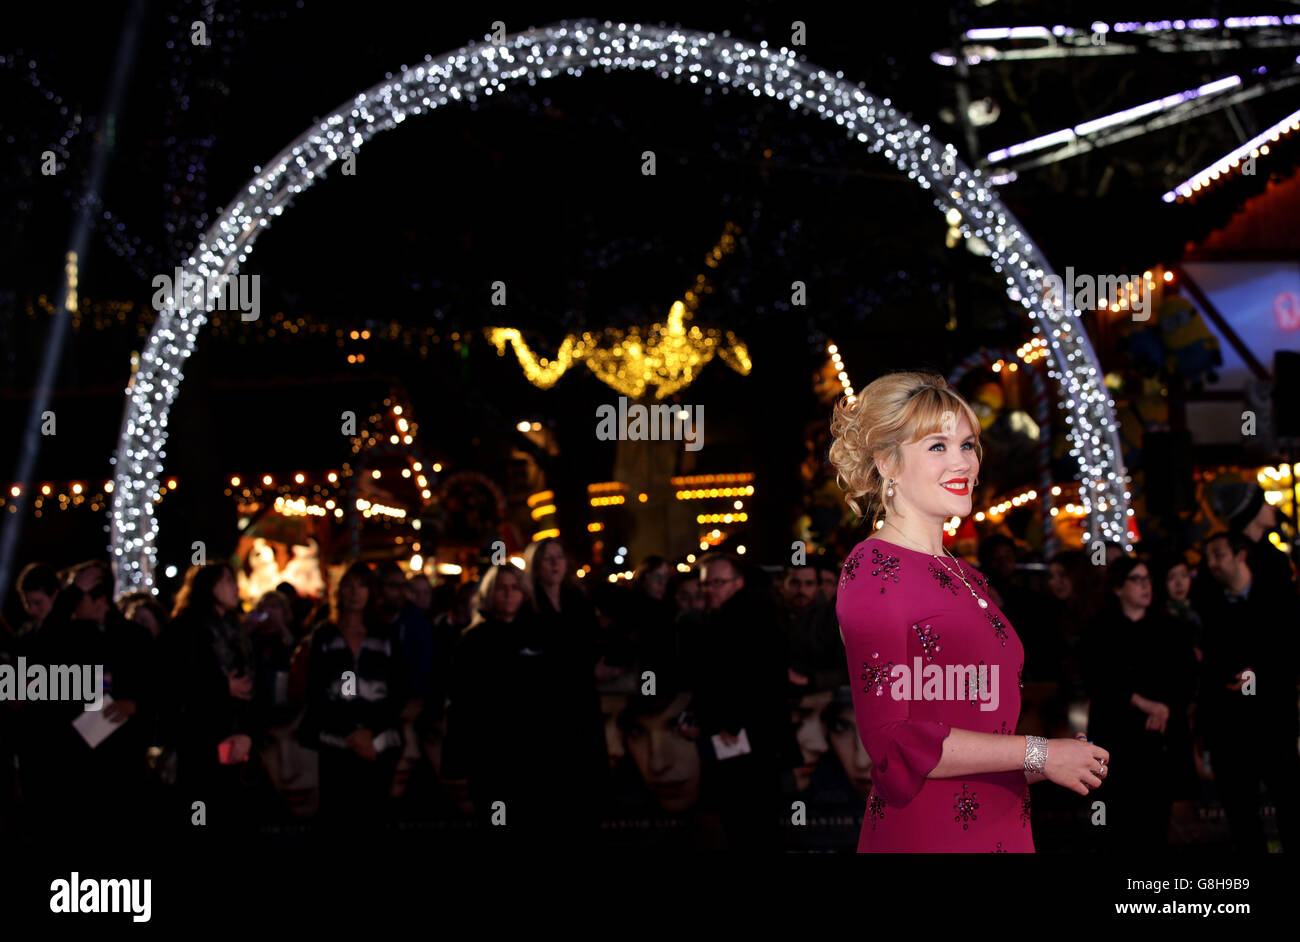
(1042,416)
(571,47)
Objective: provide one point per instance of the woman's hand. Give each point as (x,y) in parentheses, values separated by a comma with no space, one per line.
(119,711)
(241,685)
(1074,763)
(362,742)
(1157,712)
(1157,717)
(240,746)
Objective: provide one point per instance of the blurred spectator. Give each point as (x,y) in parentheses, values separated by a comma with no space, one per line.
(799,589)
(412,628)
(208,715)
(645,616)
(689,617)
(554,594)
(301,607)
(567,630)
(1140,673)
(687,594)
(828,577)
(447,627)
(145,610)
(741,687)
(67,782)
(1242,505)
(523,724)
(272,642)
(38,584)
(1025,607)
(419,592)
(356,680)
(816,650)
(1173,584)
(1076,594)
(1250,722)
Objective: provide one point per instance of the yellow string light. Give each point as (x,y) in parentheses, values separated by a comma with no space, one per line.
(665,357)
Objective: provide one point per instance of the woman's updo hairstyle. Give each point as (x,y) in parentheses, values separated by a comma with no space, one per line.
(895,410)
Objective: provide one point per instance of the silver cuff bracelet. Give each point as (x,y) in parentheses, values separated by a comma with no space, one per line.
(1035,753)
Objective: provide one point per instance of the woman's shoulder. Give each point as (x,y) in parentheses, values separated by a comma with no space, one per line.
(879,566)
(871,581)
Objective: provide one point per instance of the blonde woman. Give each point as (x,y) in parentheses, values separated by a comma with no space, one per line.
(935,665)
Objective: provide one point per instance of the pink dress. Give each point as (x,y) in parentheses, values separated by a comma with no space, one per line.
(901,608)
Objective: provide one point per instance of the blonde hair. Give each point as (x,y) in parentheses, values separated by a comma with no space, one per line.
(533,560)
(481,604)
(894,410)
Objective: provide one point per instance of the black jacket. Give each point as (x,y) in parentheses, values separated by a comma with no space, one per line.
(1151,657)
(198,650)
(523,719)
(49,745)
(742,679)
(1258,632)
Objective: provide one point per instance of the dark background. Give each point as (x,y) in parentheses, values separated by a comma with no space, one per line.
(541,187)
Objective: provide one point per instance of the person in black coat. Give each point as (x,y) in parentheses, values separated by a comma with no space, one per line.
(741,684)
(646,633)
(357,688)
(66,782)
(1242,505)
(1250,720)
(524,727)
(208,715)
(1140,674)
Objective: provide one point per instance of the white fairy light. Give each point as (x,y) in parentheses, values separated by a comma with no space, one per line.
(1255,147)
(570,47)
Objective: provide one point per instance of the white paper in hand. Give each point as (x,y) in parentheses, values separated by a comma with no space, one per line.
(738,748)
(92,725)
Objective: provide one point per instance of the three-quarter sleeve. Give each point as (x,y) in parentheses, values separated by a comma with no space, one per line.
(903,750)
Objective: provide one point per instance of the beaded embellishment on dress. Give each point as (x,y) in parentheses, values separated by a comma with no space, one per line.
(945,579)
(886,566)
(875,808)
(851,567)
(999,626)
(965,805)
(876,675)
(929,641)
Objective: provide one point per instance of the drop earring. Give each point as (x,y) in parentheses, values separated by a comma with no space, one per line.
(890,491)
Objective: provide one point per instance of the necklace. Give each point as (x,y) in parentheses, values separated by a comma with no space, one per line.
(959,574)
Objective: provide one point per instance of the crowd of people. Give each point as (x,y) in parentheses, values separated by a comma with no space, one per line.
(708,704)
